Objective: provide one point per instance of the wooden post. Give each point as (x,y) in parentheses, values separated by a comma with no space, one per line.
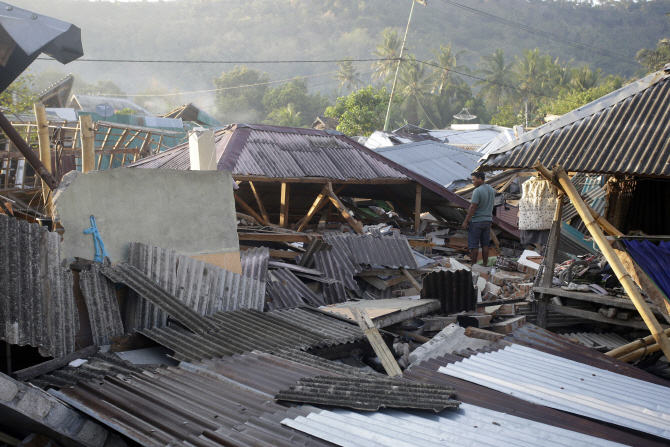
(550,263)
(618,268)
(356,225)
(375,339)
(283,212)
(325,217)
(411,279)
(397,202)
(87,143)
(260,202)
(417,209)
(45,151)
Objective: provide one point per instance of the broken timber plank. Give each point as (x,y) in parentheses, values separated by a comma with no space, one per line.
(275,237)
(51,365)
(261,207)
(356,225)
(411,279)
(607,300)
(250,210)
(374,337)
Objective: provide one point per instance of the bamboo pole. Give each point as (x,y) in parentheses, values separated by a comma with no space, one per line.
(87,143)
(636,345)
(607,250)
(45,151)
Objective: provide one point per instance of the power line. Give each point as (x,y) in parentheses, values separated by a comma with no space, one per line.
(563,40)
(148,61)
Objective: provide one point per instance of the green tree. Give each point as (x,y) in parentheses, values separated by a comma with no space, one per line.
(349,75)
(388,48)
(507,117)
(126,111)
(414,87)
(654,60)
(532,77)
(445,78)
(297,93)
(361,112)
(498,75)
(571,100)
(560,75)
(240,94)
(18,97)
(286,116)
(583,78)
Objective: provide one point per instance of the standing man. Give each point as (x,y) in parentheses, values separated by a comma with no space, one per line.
(481,215)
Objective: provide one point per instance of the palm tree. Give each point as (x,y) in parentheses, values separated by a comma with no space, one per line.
(286,116)
(560,75)
(654,60)
(532,76)
(388,49)
(498,75)
(584,79)
(444,78)
(349,75)
(415,90)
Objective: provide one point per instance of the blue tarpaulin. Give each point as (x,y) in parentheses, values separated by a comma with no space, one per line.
(654,260)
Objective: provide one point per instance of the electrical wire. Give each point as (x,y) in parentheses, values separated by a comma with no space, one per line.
(155,61)
(545,34)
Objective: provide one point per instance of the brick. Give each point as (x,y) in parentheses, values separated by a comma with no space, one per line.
(482,334)
(507,326)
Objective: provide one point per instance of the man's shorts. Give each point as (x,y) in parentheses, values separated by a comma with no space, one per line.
(479,233)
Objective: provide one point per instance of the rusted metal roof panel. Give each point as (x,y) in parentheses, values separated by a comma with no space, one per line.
(101,302)
(625,132)
(368,393)
(173,406)
(38,307)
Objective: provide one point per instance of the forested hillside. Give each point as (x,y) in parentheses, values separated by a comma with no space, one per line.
(266,30)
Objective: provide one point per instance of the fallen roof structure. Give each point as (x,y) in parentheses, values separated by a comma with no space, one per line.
(304,161)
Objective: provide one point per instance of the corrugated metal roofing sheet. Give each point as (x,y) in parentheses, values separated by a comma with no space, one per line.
(392,251)
(569,386)
(255,263)
(144,286)
(436,161)
(287,290)
(330,328)
(467,426)
(455,290)
(335,264)
(247,330)
(102,304)
(591,197)
(203,287)
(173,406)
(96,367)
(593,340)
(36,290)
(625,132)
(369,393)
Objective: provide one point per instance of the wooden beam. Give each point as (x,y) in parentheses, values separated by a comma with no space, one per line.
(508,182)
(250,210)
(399,203)
(45,151)
(323,180)
(372,333)
(261,207)
(411,279)
(275,237)
(595,316)
(319,202)
(325,217)
(605,247)
(283,213)
(357,226)
(550,263)
(417,209)
(87,143)
(590,297)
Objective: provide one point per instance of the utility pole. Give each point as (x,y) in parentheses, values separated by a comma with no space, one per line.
(397,69)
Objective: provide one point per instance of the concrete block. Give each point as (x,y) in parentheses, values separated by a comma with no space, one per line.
(437,323)
(34,405)
(191,212)
(8,390)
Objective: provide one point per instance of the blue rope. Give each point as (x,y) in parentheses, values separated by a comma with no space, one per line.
(100,251)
